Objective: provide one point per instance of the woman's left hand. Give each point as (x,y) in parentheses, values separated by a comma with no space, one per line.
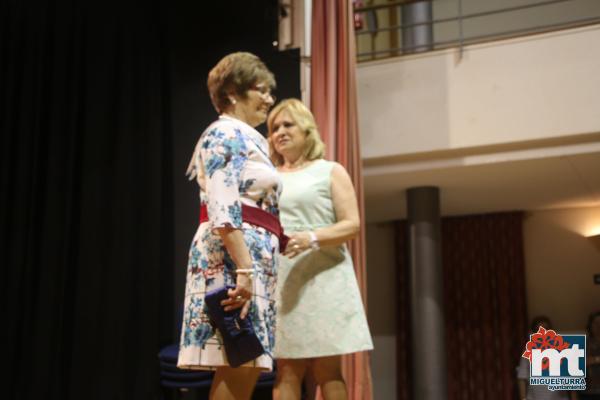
(298,243)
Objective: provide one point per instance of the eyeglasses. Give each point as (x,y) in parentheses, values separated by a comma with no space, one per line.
(264,92)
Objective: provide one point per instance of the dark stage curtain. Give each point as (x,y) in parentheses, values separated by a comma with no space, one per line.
(485,305)
(403,350)
(85,202)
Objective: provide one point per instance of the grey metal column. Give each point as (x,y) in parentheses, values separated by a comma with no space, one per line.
(420,37)
(428,356)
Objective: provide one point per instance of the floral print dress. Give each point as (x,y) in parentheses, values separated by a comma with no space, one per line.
(232,167)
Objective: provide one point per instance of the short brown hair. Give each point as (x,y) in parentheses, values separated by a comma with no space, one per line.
(314,147)
(236,72)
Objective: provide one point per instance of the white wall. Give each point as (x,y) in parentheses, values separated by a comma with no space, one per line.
(501,92)
(560,264)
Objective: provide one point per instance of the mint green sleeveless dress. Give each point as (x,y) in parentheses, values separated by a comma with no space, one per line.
(319,308)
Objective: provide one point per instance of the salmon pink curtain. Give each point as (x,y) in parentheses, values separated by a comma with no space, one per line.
(333,102)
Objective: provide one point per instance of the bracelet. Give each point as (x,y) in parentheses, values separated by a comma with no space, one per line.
(245,271)
(314,242)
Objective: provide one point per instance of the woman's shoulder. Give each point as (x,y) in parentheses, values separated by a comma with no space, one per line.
(329,163)
(322,163)
(339,174)
(334,167)
(224,126)
(326,168)
(221,130)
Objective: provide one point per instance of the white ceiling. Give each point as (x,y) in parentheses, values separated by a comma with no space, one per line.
(563,181)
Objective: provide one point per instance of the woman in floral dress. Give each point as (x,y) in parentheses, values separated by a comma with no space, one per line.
(232,167)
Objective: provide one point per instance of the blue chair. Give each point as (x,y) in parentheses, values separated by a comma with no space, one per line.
(180,380)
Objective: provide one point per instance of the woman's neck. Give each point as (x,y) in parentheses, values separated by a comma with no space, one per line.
(291,163)
(237,115)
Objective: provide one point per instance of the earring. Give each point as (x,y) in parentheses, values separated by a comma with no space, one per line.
(233,101)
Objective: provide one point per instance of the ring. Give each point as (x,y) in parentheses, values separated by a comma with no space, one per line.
(239,298)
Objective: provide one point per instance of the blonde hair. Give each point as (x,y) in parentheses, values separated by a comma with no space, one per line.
(314,146)
(236,72)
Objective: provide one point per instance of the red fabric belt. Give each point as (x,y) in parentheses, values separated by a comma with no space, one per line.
(258,217)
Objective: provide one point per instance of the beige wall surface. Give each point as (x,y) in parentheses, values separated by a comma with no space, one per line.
(502,92)
(560,264)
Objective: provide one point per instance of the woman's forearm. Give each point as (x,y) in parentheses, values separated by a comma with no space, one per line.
(338,233)
(234,242)
(333,235)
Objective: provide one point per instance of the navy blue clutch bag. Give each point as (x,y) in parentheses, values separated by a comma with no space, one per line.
(240,340)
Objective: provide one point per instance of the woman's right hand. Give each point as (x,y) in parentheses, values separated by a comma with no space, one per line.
(298,243)
(240,296)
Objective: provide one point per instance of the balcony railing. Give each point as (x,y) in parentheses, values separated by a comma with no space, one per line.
(455,23)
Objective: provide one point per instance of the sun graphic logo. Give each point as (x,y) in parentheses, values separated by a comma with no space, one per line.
(557,361)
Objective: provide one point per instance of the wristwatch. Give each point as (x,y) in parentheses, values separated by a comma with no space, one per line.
(314,242)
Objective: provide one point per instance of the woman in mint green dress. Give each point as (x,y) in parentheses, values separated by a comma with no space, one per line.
(320,315)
